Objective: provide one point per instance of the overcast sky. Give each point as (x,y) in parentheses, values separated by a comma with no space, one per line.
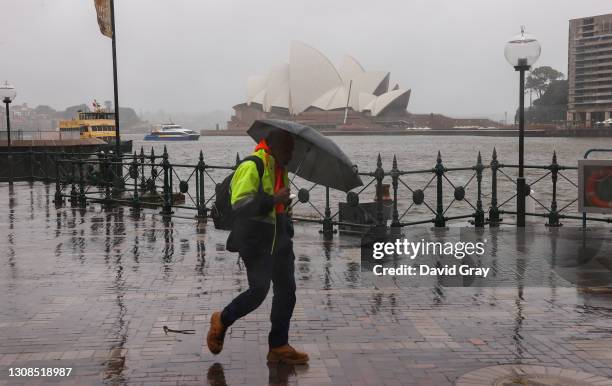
(195,55)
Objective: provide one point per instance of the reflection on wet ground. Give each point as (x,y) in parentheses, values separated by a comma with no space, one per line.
(92,289)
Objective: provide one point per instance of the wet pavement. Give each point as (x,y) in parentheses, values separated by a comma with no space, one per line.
(92,289)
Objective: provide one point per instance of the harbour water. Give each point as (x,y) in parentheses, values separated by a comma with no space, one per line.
(413,152)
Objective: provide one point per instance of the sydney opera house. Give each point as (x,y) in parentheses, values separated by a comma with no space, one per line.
(311,90)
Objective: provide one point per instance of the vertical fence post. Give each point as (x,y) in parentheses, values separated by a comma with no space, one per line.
(31,152)
(553,215)
(151,187)
(117,168)
(134,175)
(494,210)
(73,190)
(46,164)
(479,215)
(379,174)
(143,180)
(439,170)
(395,183)
(58,200)
(107,179)
(82,196)
(200,198)
(167,205)
(328,227)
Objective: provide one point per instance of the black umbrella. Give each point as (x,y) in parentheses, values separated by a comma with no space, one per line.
(316,158)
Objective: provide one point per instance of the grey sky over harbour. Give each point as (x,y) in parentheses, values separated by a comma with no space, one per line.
(195,56)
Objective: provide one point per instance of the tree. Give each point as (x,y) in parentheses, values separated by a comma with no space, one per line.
(552,106)
(540,79)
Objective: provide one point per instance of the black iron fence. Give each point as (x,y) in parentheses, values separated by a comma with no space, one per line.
(478,194)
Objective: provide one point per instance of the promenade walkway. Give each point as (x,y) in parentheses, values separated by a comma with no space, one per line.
(92,289)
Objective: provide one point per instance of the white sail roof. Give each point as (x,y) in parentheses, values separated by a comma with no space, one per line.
(350,69)
(365,99)
(255,85)
(277,87)
(332,100)
(383,101)
(311,75)
(310,79)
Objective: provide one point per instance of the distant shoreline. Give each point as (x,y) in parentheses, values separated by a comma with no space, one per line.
(577,133)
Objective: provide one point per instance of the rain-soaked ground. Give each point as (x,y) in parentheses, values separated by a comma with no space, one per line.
(92,289)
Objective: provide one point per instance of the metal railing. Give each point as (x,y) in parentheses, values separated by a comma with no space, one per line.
(478,194)
(473,194)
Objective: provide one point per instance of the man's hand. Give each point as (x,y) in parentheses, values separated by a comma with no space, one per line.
(282,196)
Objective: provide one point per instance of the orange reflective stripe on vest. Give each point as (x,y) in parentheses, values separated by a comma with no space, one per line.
(279,182)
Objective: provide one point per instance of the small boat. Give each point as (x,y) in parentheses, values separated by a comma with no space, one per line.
(172,132)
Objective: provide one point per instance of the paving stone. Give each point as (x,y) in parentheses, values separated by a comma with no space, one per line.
(92,289)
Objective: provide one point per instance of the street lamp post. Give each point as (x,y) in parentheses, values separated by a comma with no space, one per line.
(522,51)
(8,94)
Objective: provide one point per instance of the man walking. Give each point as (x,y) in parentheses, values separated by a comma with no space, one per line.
(262,233)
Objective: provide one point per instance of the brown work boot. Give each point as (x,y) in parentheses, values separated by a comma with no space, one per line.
(216,334)
(288,355)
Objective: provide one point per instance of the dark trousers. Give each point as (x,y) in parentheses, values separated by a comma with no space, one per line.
(263,266)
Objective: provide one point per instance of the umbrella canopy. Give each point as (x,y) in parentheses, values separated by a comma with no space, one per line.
(316,158)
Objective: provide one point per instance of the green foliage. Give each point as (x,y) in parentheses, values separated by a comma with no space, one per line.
(540,78)
(551,106)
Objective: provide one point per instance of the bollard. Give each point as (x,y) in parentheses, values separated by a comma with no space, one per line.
(479,215)
(553,215)
(494,219)
(167,205)
(395,183)
(439,221)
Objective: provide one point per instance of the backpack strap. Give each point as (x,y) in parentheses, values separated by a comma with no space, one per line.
(260,166)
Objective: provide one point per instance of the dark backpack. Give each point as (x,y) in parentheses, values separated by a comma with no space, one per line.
(221,211)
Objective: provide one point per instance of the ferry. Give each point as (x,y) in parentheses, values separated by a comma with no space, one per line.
(172,132)
(98,124)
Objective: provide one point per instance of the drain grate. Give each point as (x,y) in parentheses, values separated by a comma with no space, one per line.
(527,375)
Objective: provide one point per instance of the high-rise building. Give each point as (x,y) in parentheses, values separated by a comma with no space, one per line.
(590,70)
